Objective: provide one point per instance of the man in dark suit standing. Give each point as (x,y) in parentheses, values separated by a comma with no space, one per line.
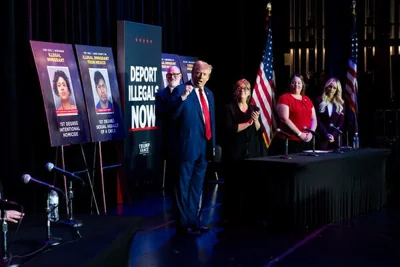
(164,123)
(194,117)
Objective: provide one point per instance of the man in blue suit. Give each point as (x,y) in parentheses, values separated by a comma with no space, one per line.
(194,114)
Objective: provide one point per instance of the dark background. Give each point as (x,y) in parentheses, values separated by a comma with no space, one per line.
(229,36)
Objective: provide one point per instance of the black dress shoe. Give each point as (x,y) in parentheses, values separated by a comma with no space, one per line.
(204,229)
(180,231)
(193,231)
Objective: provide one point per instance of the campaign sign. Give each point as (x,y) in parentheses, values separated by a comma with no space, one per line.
(100,86)
(62,93)
(167,61)
(186,67)
(139,72)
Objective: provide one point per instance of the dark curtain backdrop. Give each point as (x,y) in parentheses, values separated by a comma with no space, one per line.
(230,36)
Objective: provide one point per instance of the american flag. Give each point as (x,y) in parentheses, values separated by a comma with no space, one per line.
(264,89)
(351,77)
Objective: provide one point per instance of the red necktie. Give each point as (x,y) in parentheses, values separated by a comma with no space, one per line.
(206,114)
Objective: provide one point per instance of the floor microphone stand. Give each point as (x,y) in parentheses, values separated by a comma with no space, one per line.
(286,156)
(4,256)
(50,240)
(71,221)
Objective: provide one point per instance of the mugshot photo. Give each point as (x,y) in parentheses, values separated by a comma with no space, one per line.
(63,93)
(101,91)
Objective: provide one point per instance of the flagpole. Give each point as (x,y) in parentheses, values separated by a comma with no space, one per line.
(264,86)
(354,3)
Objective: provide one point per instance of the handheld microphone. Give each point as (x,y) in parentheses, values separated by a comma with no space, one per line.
(282,133)
(336,128)
(26,178)
(309,130)
(50,166)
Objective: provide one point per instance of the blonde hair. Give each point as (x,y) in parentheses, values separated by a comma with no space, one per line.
(337,98)
(246,83)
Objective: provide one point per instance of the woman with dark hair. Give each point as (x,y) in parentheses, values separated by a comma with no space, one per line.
(295,111)
(62,89)
(243,139)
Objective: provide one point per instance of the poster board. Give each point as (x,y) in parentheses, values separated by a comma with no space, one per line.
(100,86)
(62,93)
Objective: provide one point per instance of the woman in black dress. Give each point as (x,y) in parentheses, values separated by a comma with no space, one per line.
(243,139)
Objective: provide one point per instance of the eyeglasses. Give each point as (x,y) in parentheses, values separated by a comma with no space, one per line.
(243,88)
(173,74)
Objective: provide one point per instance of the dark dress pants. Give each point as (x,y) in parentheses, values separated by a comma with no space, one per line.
(188,192)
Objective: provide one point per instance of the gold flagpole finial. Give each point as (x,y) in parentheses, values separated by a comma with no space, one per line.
(354,7)
(269,8)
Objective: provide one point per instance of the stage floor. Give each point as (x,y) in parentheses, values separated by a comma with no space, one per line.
(372,239)
(143,234)
(101,241)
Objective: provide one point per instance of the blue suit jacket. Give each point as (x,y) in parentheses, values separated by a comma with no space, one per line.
(188,116)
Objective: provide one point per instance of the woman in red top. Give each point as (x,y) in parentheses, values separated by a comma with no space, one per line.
(295,111)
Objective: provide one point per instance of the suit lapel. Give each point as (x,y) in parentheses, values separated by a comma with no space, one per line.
(209,100)
(334,115)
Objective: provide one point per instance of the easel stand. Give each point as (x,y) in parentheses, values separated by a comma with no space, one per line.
(286,156)
(93,197)
(102,168)
(70,193)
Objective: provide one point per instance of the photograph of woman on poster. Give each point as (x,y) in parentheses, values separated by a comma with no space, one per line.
(62,89)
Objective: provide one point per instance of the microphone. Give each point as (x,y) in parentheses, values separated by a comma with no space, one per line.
(26,178)
(309,130)
(282,133)
(50,166)
(336,128)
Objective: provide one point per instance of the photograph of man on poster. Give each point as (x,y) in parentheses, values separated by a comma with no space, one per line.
(101,95)
(63,93)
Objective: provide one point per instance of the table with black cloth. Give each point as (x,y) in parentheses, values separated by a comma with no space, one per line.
(310,191)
